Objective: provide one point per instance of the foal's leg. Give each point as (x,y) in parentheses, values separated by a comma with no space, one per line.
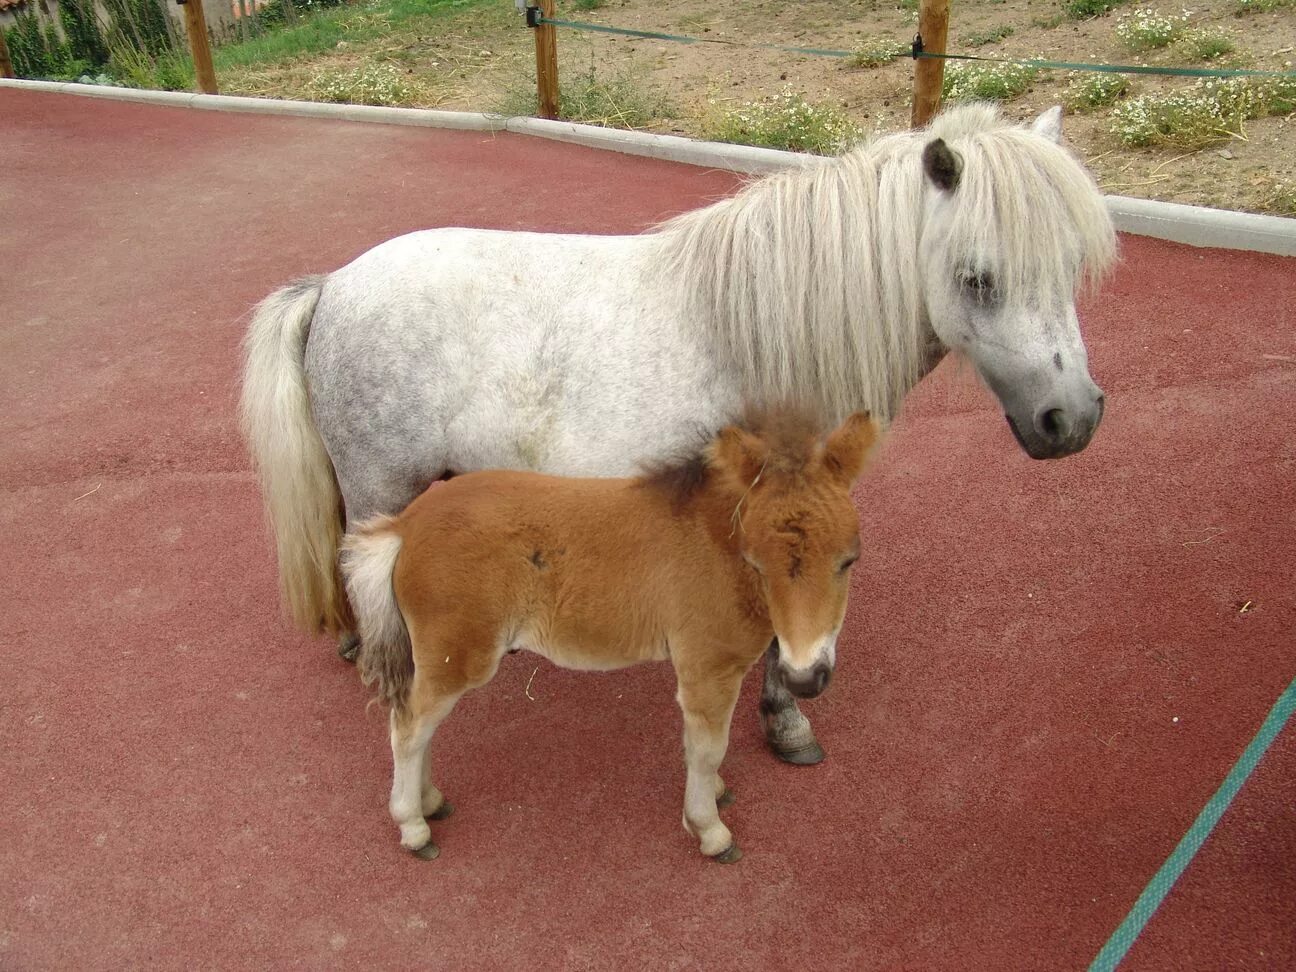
(707,700)
(413,796)
(787,731)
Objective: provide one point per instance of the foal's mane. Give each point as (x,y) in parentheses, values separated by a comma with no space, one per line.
(792,436)
(810,277)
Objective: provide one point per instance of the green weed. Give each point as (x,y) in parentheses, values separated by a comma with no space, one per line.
(876,51)
(1085,9)
(990,82)
(992,36)
(1094,91)
(785,121)
(620,101)
(1260,6)
(1207,45)
(1145,29)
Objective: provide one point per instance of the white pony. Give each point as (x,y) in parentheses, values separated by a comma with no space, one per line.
(835,286)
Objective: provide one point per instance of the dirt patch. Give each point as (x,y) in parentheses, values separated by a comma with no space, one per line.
(476,59)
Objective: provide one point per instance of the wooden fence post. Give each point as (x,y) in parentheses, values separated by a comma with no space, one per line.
(196,25)
(6,65)
(546,43)
(929,73)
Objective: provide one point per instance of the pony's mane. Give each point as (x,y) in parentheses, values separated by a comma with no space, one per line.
(792,435)
(811,280)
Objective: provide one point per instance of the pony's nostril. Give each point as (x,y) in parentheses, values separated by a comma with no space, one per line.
(1053,424)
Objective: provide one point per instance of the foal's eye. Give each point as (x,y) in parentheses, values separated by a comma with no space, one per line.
(980,284)
(847,564)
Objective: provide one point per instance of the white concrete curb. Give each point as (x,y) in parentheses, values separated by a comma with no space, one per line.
(1194,225)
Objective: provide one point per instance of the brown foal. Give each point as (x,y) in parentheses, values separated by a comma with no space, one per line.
(701,563)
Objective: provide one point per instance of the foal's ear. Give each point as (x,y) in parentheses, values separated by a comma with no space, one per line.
(739,454)
(942,164)
(847,449)
(1049,124)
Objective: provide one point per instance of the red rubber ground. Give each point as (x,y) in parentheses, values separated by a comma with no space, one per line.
(1045,675)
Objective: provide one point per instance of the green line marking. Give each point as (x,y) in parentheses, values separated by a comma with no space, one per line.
(1148,902)
(682,39)
(1115,68)
(830,52)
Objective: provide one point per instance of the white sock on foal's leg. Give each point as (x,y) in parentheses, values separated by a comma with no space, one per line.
(707,714)
(409,744)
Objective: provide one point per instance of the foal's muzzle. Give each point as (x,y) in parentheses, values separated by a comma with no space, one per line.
(806,683)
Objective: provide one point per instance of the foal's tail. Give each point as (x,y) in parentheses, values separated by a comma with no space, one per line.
(297,479)
(386,656)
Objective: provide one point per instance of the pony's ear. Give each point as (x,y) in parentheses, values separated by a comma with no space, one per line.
(739,455)
(848,447)
(942,165)
(1049,124)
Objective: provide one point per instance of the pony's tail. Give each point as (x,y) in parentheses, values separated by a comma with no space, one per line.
(386,656)
(297,479)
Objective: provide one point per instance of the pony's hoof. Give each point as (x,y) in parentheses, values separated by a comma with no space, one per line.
(726,799)
(428,852)
(441,812)
(348,647)
(728,855)
(806,755)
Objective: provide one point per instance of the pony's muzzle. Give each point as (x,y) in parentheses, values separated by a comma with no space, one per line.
(806,683)
(1060,428)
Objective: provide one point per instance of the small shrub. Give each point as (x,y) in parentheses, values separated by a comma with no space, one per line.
(1207,45)
(133,68)
(1184,119)
(1281,200)
(621,101)
(372,84)
(1212,110)
(1260,6)
(1145,29)
(992,36)
(1279,96)
(991,82)
(1085,9)
(786,121)
(1093,91)
(876,51)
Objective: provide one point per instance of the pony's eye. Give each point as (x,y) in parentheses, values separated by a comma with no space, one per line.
(847,564)
(980,284)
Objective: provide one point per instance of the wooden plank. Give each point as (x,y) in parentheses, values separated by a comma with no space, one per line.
(6,65)
(546,43)
(929,73)
(196,25)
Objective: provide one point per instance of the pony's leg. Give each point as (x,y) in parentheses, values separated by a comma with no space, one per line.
(707,701)
(787,731)
(348,646)
(411,732)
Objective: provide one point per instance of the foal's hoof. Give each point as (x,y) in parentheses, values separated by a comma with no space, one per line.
(726,799)
(428,852)
(728,855)
(441,812)
(806,755)
(348,647)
